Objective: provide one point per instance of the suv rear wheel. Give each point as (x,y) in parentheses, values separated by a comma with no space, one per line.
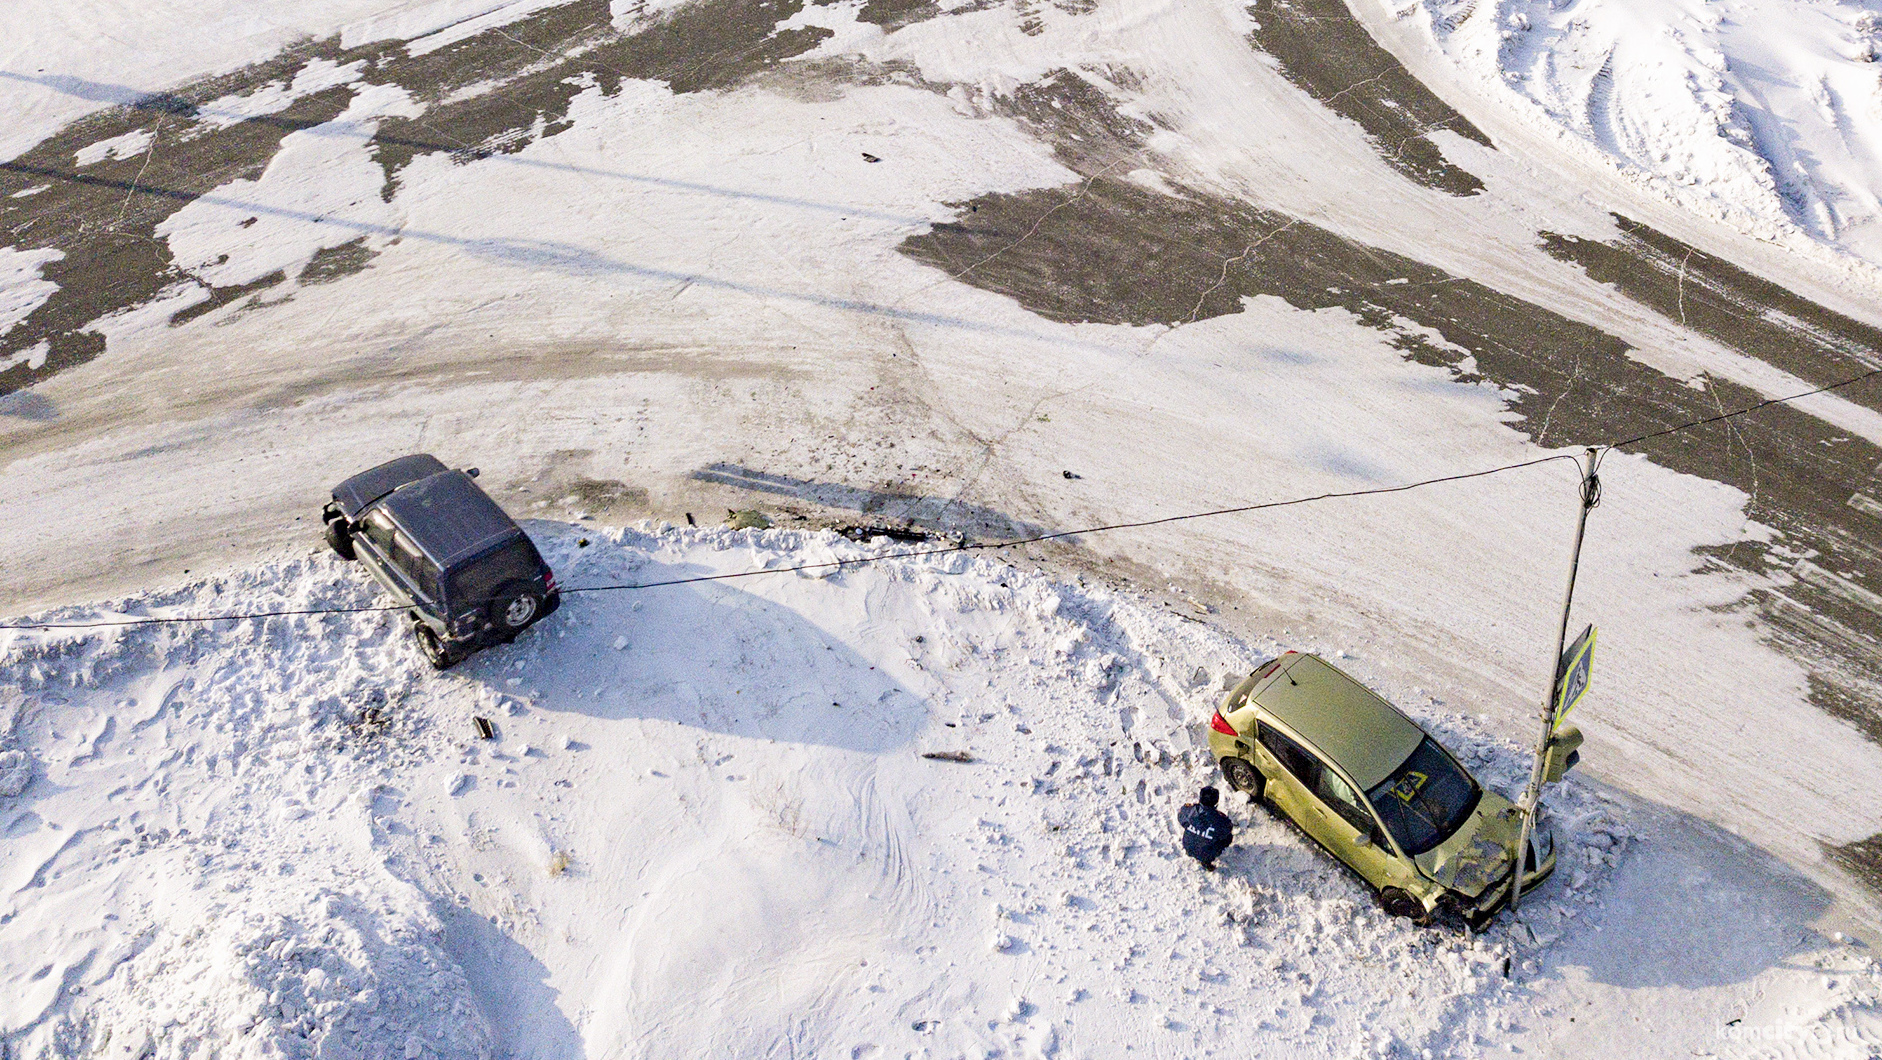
(516,605)
(339,538)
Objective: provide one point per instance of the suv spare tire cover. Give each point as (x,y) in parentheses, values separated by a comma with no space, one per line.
(516,605)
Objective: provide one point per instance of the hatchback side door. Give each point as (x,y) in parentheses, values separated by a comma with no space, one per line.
(1341,818)
(1319,799)
(1292,773)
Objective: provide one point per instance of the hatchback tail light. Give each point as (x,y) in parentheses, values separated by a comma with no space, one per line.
(548,577)
(1221,725)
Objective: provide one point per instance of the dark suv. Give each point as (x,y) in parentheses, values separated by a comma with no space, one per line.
(442,548)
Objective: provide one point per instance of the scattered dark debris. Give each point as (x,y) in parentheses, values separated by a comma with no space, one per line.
(867,157)
(485,730)
(581,542)
(689,519)
(948,756)
(1071,475)
(905,534)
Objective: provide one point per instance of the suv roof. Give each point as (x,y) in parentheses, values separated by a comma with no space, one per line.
(368,486)
(450,517)
(1364,734)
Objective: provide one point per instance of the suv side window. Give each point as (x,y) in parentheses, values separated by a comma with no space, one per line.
(1292,756)
(1341,799)
(410,560)
(378,529)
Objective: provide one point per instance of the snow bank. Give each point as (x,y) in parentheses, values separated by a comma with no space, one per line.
(326,974)
(1766,115)
(712,819)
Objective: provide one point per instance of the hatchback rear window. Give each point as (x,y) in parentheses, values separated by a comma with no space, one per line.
(475,584)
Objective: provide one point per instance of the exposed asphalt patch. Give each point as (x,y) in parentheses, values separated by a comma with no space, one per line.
(103,217)
(1327,52)
(537,65)
(491,93)
(1861,859)
(334,263)
(1725,303)
(221,296)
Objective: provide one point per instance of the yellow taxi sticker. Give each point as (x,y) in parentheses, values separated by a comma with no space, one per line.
(1409,786)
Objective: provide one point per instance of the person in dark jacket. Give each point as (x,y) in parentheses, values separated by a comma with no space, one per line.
(1207,831)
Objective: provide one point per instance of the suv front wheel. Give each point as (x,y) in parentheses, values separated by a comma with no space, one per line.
(339,538)
(439,654)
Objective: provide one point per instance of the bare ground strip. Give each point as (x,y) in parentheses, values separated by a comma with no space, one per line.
(1332,57)
(494,92)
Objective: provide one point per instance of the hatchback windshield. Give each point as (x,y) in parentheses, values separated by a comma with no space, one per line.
(1425,800)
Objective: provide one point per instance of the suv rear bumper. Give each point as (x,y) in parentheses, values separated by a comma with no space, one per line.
(486,635)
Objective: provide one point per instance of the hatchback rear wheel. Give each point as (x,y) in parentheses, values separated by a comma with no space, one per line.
(1244,777)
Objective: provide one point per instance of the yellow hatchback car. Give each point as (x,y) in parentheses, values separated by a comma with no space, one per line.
(1374,789)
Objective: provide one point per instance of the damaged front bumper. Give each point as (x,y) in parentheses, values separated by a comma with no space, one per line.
(1491,900)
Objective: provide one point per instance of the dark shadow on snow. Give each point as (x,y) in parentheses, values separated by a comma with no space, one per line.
(511,985)
(940,514)
(708,656)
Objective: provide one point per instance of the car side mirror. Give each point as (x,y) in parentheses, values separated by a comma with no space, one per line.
(471,471)
(1364,838)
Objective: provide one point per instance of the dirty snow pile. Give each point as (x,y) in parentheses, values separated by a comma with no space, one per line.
(710,824)
(1765,114)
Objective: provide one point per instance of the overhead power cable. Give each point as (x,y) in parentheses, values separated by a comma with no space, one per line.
(971,546)
(988,545)
(1748,409)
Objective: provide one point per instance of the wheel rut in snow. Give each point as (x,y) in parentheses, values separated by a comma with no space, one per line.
(1328,53)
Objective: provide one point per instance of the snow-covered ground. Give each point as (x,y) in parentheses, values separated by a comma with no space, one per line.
(282,838)
(1763,114)
(707,827)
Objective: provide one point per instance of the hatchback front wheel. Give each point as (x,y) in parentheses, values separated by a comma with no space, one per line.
(1398,902)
